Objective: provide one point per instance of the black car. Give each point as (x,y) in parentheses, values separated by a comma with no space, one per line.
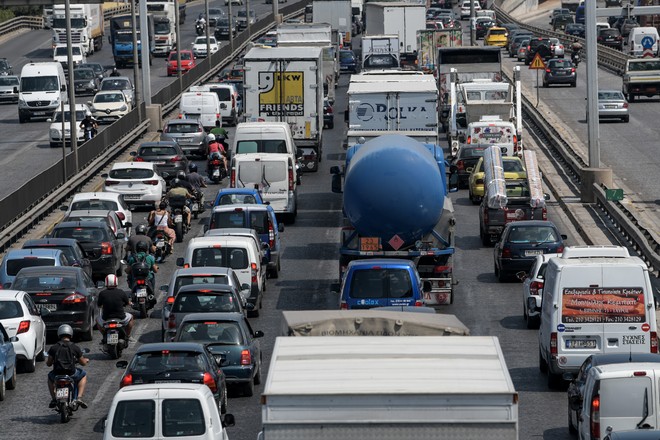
(482,25)
(98,69)
(610,38)
(85,81)
(176,362)
(67,292)
(624,25)
(103,248)
(521,242)
(576,387)
(328,115)
(5,67)
(347,61)
(575,30)
(71,248)
(559,71)
(222,29)
(465,161)
(168,157)
(540,45)
(559,22)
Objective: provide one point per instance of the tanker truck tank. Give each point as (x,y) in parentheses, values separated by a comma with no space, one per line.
(394,187)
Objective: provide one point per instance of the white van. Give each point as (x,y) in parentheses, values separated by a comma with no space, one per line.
(166,410)
(639,35)
(239,253)
(61,55)
(596,299)
(204,106)
(42,90)
(619,397)
(274,175)
(263,137)
(228,97)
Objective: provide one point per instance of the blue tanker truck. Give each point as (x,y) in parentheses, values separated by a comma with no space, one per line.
(396,206)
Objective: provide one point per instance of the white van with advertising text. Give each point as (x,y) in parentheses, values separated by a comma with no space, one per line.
(596,299)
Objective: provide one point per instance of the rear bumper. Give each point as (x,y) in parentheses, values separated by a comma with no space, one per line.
(79,320)
(516,264)
(238,374)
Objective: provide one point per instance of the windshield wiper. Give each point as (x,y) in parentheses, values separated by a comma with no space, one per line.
(645,411)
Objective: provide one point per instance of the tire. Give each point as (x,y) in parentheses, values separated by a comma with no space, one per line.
(574,84)
(29,365)
(248,389)
(543,365)
(257,377)
(11,383)
(502,276)
(475,200)
(545,85)
(89,334)
(118,270)
(533,322)
(64,413)
(485,239)
(143,311)
(3,389)
(223,403)
(178,229)
(571,428)
(626,119)
(113,352)
(53,145)
(22,119)
(631,97)
(331,125)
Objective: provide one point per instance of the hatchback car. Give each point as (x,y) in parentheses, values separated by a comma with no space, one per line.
(522,50)
(16,259)
(575,30)
(67,292)
(187,62)
(7,363)
(238,196)
(231,341)
(103,201)
(103,248)
(166,155)
(9,88)
(108,106)
(108,217)
(121,83)
(520,244)
(222,29)
(533,282)
(199,46)
(465,161)
(496,36)
(517,41)
(576,387)
(540,45)
(559,71)
(611,38)
(71,248)
(347,61)
(85,81)
(138,182)
(514,168)
(21,318)
(176,363)
(612,104)
(188,133)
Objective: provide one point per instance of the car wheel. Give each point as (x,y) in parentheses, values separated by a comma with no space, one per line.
(11,383)
(626,119)
(257,377)
(545,84)
(533,322)
(3,389)
(89,334)
(543,365)
(53,145)
(223,401)
(331,125)
(574,84)
(29,365)
(571,428)
(254,313)
(631,97)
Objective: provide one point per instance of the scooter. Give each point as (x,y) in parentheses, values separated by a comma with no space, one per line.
(142,294)
(114,340)
(90,132)
(66,395)
(180,226)
(161,243)
(216,169)
(575,58)
(197,205)
(200,28)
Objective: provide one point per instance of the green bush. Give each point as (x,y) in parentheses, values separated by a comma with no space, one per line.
(6,14)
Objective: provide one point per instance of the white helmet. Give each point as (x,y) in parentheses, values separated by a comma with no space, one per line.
(210,137)
(111,281)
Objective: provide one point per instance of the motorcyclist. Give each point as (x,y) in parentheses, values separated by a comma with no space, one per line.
(112,301)
(139,236)
(219,130)
(160,219)
(576,51)
(217,150)
(89,123)
(63,357)
(115,72)
(201,21)
(142,255)
(194,178)
(178,191)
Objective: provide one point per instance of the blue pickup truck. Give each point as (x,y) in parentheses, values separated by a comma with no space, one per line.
(381,282)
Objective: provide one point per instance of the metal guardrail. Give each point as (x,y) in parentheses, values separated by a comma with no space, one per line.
(17,23)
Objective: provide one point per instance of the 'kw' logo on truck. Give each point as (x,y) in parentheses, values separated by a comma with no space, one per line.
(281,93)
(366,111)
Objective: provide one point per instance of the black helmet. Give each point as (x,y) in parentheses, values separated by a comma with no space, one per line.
(192,168)
(141,246)
(181,175)
(141,230)
(162,205)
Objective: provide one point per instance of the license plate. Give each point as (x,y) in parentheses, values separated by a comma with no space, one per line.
(51,307)
(113,338)
(610,106)
(195,207)
(141,293)
(216,173)
(581,343)
(192,115)
(62,393)
(159,162)
(185,140)
(167,381)
(533,253)
(132,197)
(160,244)
(39,113)
(178,218)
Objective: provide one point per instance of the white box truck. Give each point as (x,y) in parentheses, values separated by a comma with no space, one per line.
(357,387)
(86,26)
(338,13)
(380,52)
(285,84)
(386,103)
(400,18)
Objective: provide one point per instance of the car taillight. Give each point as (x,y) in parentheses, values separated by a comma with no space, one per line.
(150,182)
(171,321)
(419,303)
(176,159)
(529,47)
(170,300)
(210,382)
(23,327)
(534,287)
(106,248)
(547,70)
(553,344)
(246,357)
(654,342)
(460,165)
(595,417)
(111,182)
(506,252)
(271,235)
(572,69)
(232,179)
(138,159)
(290,178)
(544,214)
(76,298)
(126,380)
(625,105)
(469,139)
(560,249)
(343,306)
(253,268)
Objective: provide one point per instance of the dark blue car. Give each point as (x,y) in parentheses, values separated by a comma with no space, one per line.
(7,363)
(234,196)
(347,61)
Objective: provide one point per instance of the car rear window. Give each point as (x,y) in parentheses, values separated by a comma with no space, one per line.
(183,128)
(44,282)
(498,32)
(157,151)
(233,199)
(187,280)
(224,93)
(101,205)
(560,64)
(532,234)
(183,418)
(471,152)
(134,418)
(259,221)
(155,361)
(81,234)
(209,331)
(610,32)
(131,173)
(264,172)
(233,257)
(381,283)
(261,146)
(200,302)
(610,95)
(115,84)
(228,219)
(10,309)
(16,264)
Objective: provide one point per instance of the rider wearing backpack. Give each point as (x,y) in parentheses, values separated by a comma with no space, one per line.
(112,301)
(142,260)
(63,357)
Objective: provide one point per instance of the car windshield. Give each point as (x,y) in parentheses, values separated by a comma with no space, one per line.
(164,360)
(45,282)
(157,151)
(610,95)
(532,234)
(116,84)
(233,199)
(80,115)
(96,204)
(16,264)
(83,74)
(101,98)
(381,283)
(97,68)
(610,33)
(131,173)
(8,81)
(134,418)
(198,302)
(187,280)
(162,28)
(643,66)
(61,51)
(94,235)
(183,128)
(39,83)
(226,256)
(217,332)
(10,309)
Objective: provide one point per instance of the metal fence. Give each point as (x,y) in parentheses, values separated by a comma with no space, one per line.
(17,23)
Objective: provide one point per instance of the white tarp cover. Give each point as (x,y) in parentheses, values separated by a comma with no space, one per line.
(537,198)
(494,178)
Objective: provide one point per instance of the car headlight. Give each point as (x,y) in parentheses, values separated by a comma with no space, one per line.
(21,102)
(54,133)
(91,84)
(123,108)
(55,101)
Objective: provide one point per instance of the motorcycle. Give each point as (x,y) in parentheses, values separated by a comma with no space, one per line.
(66,395)
(200,28)
(575,58)
(197,205)
(180,226)
(142,294)
(161,243)
(114,340)
(90,132)
(216,168)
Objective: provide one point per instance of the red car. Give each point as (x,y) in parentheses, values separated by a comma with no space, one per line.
(187,62)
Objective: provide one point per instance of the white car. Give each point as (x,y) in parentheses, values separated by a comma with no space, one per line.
(61,55)
(109,105)
(557,47)
(465,8)
(139,182)
(21,318)
(89,201)
(533,290)
(55,131)
(199,46)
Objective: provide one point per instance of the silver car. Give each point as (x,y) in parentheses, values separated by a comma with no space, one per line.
(557,47)
(188,133)
(9,88)
(612,105)
(122,83)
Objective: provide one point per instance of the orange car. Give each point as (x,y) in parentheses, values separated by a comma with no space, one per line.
(187,62)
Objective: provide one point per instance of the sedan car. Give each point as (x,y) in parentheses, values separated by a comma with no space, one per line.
(108,106)
(168,157)
(121,83)
(576,387)
(187,62)
(85,81)
(575,30)
(521,242)
(188,133)
(482,25)
(103,248)
(71,248)
(347,61)
(67,293)
(222,29)
(533,289)
(215,14)
(103,201)
(199,46)
(612,104)
(514,168)
(7,363)
(465,161)
(522,50)
(139,182)
(231,341)
(176,363)
(9,88)
(21,318)
(611,38)
(559,71)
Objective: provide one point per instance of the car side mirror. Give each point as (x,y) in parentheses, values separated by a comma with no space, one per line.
(179,261)
(100,285)
(245,286)
(336,184)
(564,237)
(229,420)
(121,236)
(127,224)
(15,89)
(258,334)
(62,88)
(522,275)
(280,227)
(160,130)
(64,207)
(121,364)
(248,306)
(575,402)
(104,175)
(453,181)
(133,153)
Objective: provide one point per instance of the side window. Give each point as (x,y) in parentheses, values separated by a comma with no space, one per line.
(64,261)
(247,329)
(78,252)
(30,305)
(87,280)
(236,281)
